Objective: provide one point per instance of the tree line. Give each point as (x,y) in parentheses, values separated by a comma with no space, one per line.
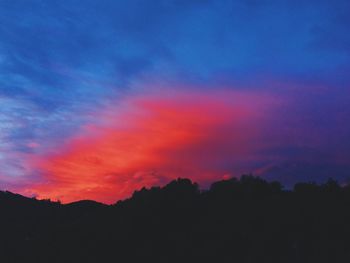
(236,220)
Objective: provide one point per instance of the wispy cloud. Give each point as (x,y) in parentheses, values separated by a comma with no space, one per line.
(63,62)
(152,138)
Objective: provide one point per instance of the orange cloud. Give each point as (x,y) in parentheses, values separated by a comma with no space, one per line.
(151,139)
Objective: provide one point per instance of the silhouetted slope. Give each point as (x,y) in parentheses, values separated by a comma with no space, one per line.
(246,220)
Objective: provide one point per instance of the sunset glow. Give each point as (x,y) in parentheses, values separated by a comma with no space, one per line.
(101,98)
(155,139)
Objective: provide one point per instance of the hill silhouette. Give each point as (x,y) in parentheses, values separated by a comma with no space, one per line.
(236,220)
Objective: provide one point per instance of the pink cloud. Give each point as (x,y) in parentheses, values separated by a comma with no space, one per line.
(151,139)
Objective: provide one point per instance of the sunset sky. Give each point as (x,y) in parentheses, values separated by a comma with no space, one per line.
(99,98)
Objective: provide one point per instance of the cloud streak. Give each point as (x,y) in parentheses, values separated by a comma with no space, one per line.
(150,139)
(78,74)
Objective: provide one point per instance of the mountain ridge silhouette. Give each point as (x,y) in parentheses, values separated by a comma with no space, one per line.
(235,220)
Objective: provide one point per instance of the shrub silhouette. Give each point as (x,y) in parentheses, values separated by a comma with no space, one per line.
(235,220)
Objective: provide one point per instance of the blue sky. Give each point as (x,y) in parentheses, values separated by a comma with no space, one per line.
(61,61)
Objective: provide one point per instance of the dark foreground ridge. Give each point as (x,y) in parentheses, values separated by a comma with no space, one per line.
(246,220)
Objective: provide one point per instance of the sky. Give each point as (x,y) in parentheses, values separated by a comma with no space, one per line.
(99,98)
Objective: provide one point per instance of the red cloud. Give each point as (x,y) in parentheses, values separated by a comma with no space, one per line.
(151,139)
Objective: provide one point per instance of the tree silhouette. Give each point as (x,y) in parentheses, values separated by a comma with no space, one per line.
(235,220)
